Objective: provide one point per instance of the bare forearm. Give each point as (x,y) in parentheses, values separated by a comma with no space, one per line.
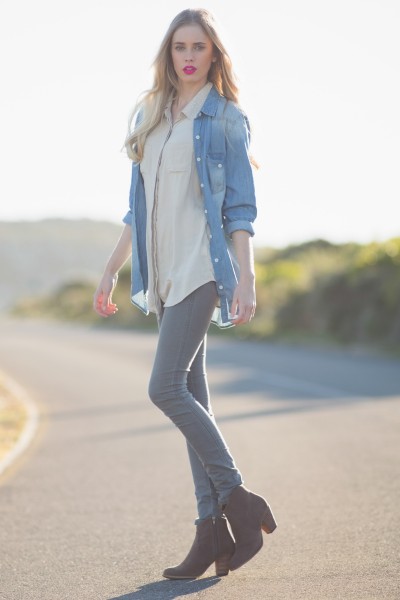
(121,252)
(244,297)
(102,299)
(244,253)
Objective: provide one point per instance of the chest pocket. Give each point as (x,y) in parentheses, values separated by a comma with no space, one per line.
(216,155)
(216,172)
(178,157)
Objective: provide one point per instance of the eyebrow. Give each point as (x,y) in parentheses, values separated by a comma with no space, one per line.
(195,43)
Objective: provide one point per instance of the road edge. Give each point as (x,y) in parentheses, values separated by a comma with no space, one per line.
(31,425)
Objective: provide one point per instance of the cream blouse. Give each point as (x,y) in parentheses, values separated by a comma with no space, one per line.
(177,233)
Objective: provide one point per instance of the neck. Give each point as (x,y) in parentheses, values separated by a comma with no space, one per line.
(187,91)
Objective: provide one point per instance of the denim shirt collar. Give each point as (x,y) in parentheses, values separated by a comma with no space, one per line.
(211,104)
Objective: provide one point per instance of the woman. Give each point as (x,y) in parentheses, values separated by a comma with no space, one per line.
(189,229)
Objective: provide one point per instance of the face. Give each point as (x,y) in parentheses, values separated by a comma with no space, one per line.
(192,54)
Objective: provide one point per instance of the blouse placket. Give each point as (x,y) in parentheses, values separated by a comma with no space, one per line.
(157,299)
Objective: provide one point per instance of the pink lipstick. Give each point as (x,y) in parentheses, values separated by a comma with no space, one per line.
(189,70)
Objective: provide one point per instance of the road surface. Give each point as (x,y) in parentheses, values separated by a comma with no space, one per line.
(102,501)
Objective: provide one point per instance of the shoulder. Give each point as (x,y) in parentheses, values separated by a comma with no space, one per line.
(234,116)
(233,111)
(218,106)
(237,124)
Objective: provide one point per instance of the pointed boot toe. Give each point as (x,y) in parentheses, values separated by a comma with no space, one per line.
(212,543)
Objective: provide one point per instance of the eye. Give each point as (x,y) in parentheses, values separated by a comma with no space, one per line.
(179,48)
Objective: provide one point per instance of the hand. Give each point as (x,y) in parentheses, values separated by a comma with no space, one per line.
(244,302)
(102,300)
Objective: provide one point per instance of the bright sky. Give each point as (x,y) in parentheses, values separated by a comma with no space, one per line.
(320,81)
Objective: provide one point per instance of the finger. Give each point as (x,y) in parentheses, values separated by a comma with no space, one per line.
(105,302)
(107,312)
(239,318)
(238,314)
(98,309)
(234,307)
(111,310)
(244,315)
(102,307)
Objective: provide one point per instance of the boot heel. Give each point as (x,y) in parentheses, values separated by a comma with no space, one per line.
(268,523)
(222,565)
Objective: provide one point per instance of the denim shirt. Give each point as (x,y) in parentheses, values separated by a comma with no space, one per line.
(221,138)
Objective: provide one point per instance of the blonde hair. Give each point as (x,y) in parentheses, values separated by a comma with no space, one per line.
(165,82)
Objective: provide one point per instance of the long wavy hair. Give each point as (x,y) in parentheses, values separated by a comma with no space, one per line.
(166,81)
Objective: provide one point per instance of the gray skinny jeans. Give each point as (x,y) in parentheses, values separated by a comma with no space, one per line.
(178,386)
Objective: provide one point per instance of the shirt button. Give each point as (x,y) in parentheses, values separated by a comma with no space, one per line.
(216,259)
(198,159)
(210,236)
(221,287)
(219,166)
(197,137)
(202,185)
(199,114)
(205,211)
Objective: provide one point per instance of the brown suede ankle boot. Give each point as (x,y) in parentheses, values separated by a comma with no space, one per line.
(212,543)
(247,514)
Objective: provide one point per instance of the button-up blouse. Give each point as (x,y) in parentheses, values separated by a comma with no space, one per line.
(177,234)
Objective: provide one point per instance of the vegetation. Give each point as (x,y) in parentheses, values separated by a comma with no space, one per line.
(347,293)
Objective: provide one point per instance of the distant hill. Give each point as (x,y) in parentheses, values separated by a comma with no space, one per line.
(39,257)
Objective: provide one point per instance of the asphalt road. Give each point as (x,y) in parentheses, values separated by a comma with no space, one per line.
(102,501)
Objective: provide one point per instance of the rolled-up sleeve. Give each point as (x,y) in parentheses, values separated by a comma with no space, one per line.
(239,207)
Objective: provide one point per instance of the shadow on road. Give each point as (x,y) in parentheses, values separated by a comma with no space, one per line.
(169,590)
(282,380)
(290,408)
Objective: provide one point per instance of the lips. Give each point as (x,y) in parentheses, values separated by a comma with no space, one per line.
(189,70)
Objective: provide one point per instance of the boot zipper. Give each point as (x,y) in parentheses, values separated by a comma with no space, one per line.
(215,530)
